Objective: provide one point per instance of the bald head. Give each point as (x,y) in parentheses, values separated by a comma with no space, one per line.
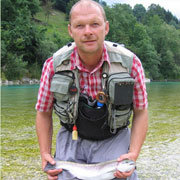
(87,4)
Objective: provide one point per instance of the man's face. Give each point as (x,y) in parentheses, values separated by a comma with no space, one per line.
(88,28)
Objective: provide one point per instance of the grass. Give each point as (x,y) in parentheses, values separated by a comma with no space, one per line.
(56,23)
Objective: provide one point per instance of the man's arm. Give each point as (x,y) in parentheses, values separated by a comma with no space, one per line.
(138,131)
(44,130)
(138,134)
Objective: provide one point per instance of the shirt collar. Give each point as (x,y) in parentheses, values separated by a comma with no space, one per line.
(76,62)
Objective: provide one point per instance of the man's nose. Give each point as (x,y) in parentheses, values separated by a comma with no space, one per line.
(87,30)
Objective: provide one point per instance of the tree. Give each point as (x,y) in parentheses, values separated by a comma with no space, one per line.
(48,9)
(139,12)
(15,67)
(122,21)
(166,16)
(69,6)
(33,6)
(143,47)
(166,41)
(154,9)
(20,37)
(61,5)
(103,3)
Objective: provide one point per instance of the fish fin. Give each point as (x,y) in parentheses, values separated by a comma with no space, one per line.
(49,167)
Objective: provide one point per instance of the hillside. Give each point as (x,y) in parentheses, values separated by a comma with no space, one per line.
(31,33)
(55,24)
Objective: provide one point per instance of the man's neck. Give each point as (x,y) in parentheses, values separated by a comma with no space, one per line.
(90,61)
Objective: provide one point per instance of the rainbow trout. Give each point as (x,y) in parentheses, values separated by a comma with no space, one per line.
(99,171)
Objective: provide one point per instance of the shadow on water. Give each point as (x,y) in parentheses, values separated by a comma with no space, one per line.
(159,158)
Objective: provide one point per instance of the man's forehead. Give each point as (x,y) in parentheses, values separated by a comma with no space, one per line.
(85,8)
(89,18)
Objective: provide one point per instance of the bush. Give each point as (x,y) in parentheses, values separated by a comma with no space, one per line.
(34,71)
(15,67)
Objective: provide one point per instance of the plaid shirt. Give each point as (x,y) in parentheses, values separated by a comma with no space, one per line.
(90,81)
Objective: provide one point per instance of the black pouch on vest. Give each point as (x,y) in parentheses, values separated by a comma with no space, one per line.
(92,122)
(120,88)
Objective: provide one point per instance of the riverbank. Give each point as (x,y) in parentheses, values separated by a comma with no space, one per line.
(33,81)
(147,80)
(20,82)
(37,81)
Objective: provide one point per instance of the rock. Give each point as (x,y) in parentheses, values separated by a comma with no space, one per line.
(18,82)
(147,80)
(25,80)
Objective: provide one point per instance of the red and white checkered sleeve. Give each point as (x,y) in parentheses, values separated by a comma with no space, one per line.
(140,94)
(45,97)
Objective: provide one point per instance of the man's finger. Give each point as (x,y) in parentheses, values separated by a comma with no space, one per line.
(52,177)
(119,174)
(49,159)
(54,172)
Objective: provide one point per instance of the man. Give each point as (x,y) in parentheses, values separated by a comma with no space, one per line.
(88,27)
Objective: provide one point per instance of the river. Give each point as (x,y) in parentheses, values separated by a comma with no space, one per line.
(159,158)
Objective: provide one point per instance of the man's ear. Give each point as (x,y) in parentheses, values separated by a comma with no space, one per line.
(69,30)
(106,27)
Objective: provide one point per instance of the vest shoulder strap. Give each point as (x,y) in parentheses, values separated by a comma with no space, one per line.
(118,54)
(62,55)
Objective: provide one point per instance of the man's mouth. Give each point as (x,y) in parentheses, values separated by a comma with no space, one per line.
(89,41)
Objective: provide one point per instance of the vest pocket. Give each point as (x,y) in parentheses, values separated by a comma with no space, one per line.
(120,118)
(92,122)
(64,110)
(60,87)
(120,88)
(63,104)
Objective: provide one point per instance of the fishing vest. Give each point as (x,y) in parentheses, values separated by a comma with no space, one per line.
(117,85)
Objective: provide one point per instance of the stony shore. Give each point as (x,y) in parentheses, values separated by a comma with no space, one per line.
(32,81)
(20,82)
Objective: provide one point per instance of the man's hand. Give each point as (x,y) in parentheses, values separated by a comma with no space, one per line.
(138,134)
(130,156)
(52,174)
(44,131)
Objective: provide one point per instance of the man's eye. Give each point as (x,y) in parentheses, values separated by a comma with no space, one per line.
(79,26)
(95,24)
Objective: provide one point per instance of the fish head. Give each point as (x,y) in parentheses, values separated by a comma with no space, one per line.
(126,165)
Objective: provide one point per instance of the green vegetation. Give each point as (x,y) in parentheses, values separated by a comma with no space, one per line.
(55,23)
(154,41)
(33,30)
(29,37)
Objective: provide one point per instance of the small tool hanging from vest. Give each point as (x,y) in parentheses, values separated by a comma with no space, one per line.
(101,97)
(74,133)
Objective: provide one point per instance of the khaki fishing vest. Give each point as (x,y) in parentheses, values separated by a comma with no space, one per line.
(66,106)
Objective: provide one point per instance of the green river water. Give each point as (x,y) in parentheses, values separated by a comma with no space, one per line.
(159,158)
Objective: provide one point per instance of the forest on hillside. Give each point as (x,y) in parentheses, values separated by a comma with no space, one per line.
(26,41)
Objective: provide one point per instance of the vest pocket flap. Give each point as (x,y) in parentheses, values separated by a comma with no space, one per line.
(60,86)
(120,118)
